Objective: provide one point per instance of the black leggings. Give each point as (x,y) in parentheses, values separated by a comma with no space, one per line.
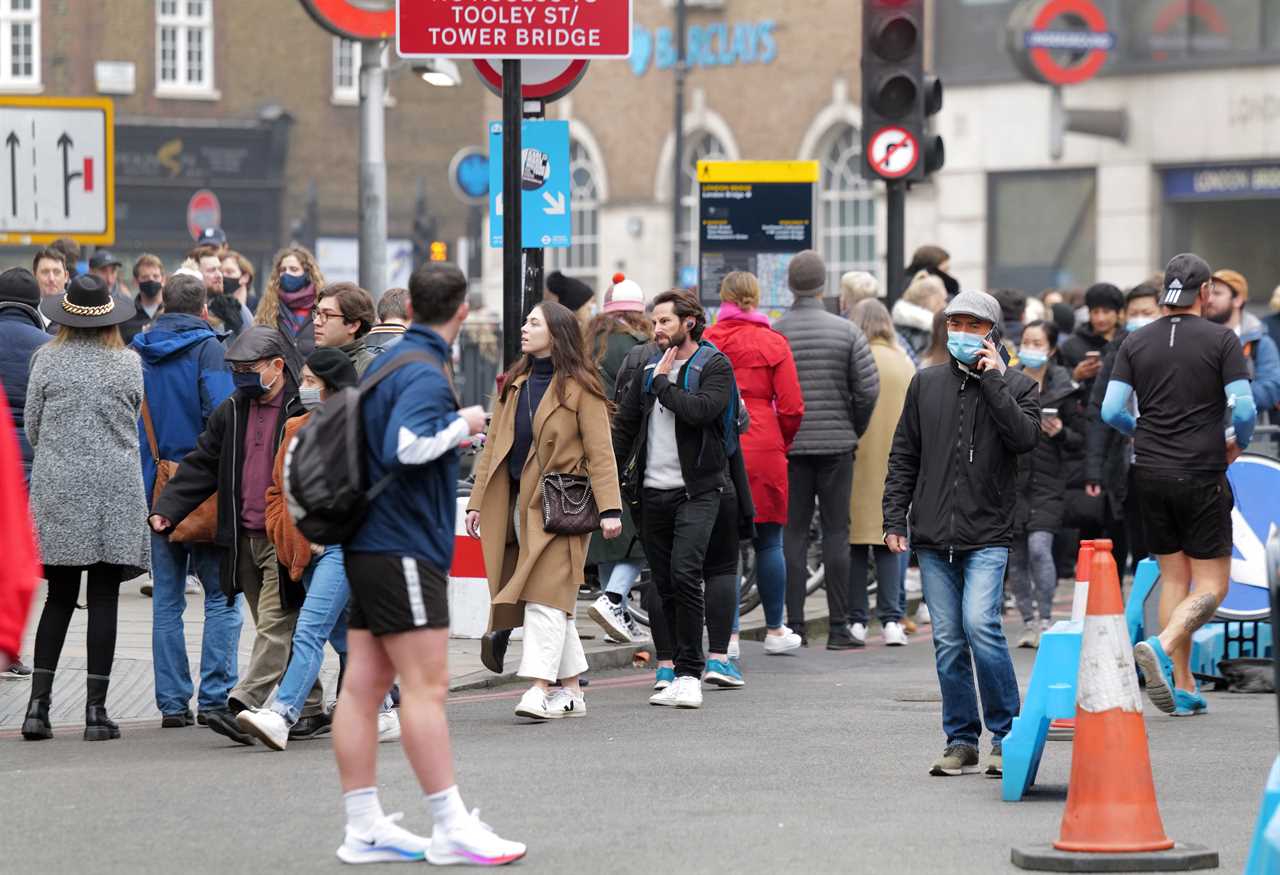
(720,579)
(103,597)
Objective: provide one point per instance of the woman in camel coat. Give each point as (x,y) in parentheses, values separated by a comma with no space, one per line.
(551,417)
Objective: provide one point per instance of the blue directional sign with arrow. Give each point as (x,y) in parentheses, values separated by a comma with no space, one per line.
(544,181)
(1255,482)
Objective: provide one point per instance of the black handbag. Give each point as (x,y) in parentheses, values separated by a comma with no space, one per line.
(568,505)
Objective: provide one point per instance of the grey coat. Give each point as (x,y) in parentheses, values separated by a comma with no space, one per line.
(838,378)
(83,404)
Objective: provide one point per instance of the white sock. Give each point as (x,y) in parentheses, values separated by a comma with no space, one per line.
(447,809)
(363,808)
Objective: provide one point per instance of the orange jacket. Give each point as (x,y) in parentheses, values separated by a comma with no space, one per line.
(292,550)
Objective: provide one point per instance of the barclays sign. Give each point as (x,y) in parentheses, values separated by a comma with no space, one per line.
(710,45)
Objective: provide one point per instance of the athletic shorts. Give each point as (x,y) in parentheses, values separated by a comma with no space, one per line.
(1187,513)
(391,594)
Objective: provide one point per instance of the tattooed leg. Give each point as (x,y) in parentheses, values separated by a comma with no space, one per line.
(1211,578)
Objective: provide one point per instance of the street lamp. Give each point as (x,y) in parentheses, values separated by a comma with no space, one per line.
(440,72)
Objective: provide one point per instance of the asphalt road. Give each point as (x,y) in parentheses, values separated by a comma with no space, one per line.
(818,765)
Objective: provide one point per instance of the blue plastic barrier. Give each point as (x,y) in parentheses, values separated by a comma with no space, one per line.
(1264,853)
(1144,581)
(1051,695)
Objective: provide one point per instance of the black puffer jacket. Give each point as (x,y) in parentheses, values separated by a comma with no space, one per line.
(1042,473)
(953,466)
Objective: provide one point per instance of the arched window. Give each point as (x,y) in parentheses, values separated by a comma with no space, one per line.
(700,146)
(582,259)
(847,208)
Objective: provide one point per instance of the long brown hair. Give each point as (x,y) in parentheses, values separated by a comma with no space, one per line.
(567,355)
(874,320)
(604,325)
(269,307)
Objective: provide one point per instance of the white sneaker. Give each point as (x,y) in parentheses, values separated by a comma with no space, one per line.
(639,634)
(533,705)
(566,703)
(858,631)
(735,649)
(1030,636)
(193,585)
(784,643)
(266,725)
(922,615)
(1045,626)
(688,692)
(665,696)
(894,635)
(388,727)
(385,843)
(474,843)
(611,618)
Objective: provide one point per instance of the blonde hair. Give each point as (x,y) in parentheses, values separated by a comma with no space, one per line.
(924,288)
(858,285)
(107,336)
(742,288)
(1275,300)
(269,307)
(874,320)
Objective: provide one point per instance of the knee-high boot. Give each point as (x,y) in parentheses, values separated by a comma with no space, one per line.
(36,727)
(97,725)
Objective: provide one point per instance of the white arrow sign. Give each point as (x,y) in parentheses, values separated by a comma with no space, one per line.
(555,205)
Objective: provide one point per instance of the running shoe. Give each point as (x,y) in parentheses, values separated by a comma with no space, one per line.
(567,703)
(266,725)
(784,643)
(388,727)
(384,843)
(894,635)
(611,617)
(472,843)
(1157,668)
(957,759)
(723,674)
(16,672)
(1188,704)
(664,678)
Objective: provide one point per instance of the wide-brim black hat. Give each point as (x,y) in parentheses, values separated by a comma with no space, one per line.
(88,303)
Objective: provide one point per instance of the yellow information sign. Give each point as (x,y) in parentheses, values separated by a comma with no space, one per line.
(758,171)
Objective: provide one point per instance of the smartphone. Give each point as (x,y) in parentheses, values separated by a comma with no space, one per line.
(1093,354)
(1048,412)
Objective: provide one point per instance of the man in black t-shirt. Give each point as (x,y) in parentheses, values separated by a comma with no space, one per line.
(1186,372)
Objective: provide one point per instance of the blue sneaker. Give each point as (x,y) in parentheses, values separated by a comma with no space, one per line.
(1187,704)
(1157,668)
(665,678)
(723,674)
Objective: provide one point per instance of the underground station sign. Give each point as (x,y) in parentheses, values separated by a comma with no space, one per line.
(513,28)
(1059,42)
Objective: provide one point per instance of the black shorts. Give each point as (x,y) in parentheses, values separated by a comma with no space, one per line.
(1187,513)
(391,594)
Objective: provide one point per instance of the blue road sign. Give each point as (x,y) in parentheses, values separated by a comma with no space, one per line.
(544,182)
(1255,480)
(469,175)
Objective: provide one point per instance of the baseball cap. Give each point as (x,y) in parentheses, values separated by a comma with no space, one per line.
(103,258)
(212,236)
(1183,277)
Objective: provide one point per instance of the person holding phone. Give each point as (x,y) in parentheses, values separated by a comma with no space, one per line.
(951,482)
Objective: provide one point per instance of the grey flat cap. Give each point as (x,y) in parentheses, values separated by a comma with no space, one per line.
(257,343)
(977,304)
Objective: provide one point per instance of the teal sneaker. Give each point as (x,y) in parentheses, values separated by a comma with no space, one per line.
(665,678)
(723,674)
(1188,704)
(1157,668)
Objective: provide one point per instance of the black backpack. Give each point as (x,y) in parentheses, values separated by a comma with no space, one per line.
(325,477)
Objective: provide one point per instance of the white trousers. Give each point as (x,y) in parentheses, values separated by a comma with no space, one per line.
(552,648)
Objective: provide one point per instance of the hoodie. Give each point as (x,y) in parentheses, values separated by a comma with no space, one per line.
(185,378)
(1261,353)
(21,334)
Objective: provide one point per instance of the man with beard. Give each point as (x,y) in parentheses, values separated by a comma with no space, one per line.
(1225,306)
(233,316)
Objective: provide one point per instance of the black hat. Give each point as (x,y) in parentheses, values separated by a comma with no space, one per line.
(333,367)
(1183,277)
(103,258)
(571,292)
(1104,295)
(18,285)
(257,343)
(212,237)
(87,303)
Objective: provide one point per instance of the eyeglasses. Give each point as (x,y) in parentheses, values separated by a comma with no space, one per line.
(320,317)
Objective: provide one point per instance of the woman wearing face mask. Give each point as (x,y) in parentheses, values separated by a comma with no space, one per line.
(1042,481)
(237,279)
(550,418)
(288,302)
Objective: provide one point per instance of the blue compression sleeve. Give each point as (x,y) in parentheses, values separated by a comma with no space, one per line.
(1115,407)
(1244,415)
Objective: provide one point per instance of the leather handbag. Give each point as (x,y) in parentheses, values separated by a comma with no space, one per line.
(568,505)
(201,525)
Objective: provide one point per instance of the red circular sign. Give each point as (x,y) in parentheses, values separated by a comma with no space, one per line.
(539,79)
(355,19)
(893,152)
(1061,74)
(203,211)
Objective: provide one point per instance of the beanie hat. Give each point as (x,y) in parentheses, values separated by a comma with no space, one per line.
(1233,278)
(980,305)
(623,295)
(571,292)
(1104,295)
(807,274)
(17,285)
(333,367)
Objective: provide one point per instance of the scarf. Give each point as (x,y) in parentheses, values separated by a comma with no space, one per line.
(297,306)
(227,309)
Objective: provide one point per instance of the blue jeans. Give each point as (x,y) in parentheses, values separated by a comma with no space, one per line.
(221,641)
(771,575)
(964,598)
(904,562)
(621,576)
(323,617)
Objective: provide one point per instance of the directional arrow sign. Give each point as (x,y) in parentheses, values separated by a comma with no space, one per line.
(555,205)
(61,176)
(545,178)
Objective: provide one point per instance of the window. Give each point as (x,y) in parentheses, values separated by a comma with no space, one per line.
(184,48)
(1031,247)
(346,71)
(847,208)
(699,146)
(19,45)
(582,259)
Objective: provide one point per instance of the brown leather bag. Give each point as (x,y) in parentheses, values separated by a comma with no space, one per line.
(201,525)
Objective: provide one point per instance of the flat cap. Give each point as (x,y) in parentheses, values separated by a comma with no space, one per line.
(977,304)
(257,343)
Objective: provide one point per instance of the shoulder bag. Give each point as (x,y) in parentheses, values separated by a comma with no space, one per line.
(201,525)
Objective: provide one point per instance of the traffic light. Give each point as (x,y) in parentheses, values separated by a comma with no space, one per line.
(897,96)
(439,250)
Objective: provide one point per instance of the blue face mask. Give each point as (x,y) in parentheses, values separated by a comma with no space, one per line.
(1138,322)
(310,397)
(291,283)
(1034,359)
(964,346)
(250,384)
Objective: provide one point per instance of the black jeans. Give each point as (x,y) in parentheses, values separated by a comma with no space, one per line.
(102,596)
(829,479)
(675,530)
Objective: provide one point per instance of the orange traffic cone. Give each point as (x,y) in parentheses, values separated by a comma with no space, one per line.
(1111,802)
(1063,729)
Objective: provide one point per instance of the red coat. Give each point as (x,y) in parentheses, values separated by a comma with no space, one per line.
(766,375)
(21,571)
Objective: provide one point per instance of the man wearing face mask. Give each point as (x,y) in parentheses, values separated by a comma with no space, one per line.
(186,378)
(233,459)
(226,309)
(951,482)
(148,276)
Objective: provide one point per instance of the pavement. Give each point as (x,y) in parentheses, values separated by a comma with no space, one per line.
(818,765)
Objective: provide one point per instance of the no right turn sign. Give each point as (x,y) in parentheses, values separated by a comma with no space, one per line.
(893,153)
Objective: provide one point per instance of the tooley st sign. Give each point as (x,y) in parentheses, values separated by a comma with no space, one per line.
(514,28)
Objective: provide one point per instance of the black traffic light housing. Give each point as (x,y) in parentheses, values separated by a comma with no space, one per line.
(896,92)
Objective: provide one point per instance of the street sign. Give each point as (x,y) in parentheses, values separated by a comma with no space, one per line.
(1255,482)
(545,80)
(469,175)
(514,31)
(354,19)
(544,184)
(1059,42)
(204,210)
(893,152)
(61,170)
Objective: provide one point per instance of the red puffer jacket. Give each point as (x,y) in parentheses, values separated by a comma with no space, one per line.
(21,571)
(766,375)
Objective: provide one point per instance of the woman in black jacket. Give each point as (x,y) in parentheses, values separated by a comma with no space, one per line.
(1042,481)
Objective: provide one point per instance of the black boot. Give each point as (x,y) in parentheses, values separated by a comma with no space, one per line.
(97,725)
(36,727)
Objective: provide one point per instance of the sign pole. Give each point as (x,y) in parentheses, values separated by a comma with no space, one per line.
(677,208)
(895,254)
(373,170)
(533,258)
(512,228)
